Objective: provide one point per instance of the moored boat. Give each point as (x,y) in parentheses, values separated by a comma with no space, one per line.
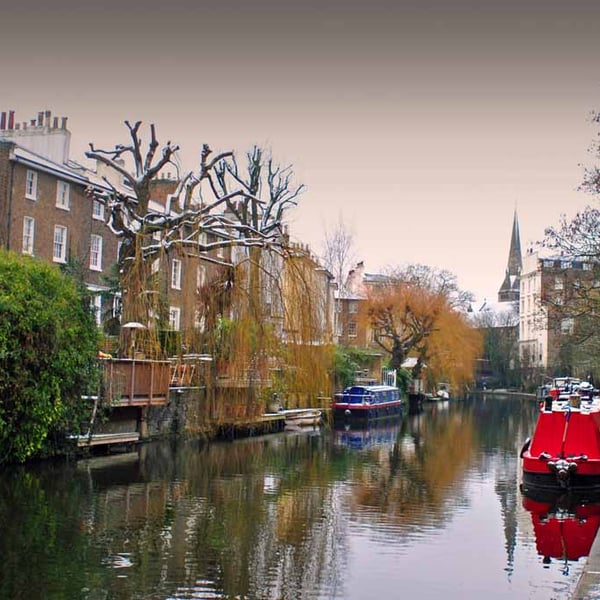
(564,451)
(302,417)
(367,402)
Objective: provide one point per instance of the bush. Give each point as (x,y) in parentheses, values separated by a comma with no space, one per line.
(48,344)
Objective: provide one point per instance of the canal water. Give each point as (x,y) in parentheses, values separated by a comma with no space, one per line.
(425,507)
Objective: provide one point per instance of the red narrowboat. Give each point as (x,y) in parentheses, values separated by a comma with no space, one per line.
(564,451)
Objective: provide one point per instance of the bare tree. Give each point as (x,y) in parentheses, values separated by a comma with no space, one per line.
(219,206)
(339,253)
(577,239)
(235,208)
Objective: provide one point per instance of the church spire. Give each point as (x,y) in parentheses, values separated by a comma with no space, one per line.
(510,288)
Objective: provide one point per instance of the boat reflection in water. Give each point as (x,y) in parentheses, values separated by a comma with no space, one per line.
(363,435)
(564,526)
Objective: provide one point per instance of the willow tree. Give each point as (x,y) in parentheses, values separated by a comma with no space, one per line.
(209,212)
(418,311)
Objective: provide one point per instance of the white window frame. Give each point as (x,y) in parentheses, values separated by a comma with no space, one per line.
(28,235)
(96,305)
(352,329)
(176,268)
(96,245)
(59,248)
(31,182)
(98,210)
(63,195)
(174,318)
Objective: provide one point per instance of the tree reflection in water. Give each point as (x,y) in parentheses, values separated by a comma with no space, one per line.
(267,517)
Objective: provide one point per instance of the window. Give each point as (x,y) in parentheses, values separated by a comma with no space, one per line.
(200,276)
(352,329)
(98,210)
(353,307)
(96,303)
(31,185)
(96,253)
(60,244)
(176,274)
(63,192)
(174,317)
(567,326)
(28,235)
(199,320)
(558,283)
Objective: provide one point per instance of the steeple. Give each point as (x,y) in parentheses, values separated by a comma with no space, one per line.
(510,288)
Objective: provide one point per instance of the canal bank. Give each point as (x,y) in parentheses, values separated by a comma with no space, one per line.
(588,586)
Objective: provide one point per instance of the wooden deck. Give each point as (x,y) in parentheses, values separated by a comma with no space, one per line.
(104,439)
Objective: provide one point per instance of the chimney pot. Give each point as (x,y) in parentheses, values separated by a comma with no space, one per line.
(11,119)
(40,119)
(3,120)
(55,123)
(48,117)
(63,123)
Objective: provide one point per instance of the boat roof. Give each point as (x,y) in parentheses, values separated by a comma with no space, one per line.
(372,388)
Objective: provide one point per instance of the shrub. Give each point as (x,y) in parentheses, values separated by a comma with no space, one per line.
(48,344)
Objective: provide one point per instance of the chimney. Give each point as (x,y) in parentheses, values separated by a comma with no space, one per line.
(11,119)
(55,123)
(63,123)
(2,121)
(47,118)
(40,119)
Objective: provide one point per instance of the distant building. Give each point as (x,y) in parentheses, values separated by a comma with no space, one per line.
(543,328)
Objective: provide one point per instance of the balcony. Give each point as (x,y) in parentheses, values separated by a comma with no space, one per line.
(136,382)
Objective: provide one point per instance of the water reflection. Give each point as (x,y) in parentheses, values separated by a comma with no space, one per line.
(318,514)
(564,528)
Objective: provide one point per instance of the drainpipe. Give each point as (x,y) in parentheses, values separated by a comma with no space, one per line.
(10,202)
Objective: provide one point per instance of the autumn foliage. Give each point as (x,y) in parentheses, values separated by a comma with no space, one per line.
(417,317)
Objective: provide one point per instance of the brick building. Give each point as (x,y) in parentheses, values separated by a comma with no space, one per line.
(44,209)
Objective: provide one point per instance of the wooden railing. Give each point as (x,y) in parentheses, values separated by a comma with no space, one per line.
(133,382)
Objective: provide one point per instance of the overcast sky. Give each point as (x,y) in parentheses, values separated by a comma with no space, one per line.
(422,124)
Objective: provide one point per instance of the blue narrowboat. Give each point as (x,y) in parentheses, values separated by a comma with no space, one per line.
(367,402)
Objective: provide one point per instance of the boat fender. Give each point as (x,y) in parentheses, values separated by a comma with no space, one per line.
(525,447)
(562,468)
(347,412)
(545,455)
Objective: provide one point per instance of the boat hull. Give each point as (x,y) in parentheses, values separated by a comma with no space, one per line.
(367,413)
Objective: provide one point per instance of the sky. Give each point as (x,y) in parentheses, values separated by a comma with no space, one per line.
(421,125)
